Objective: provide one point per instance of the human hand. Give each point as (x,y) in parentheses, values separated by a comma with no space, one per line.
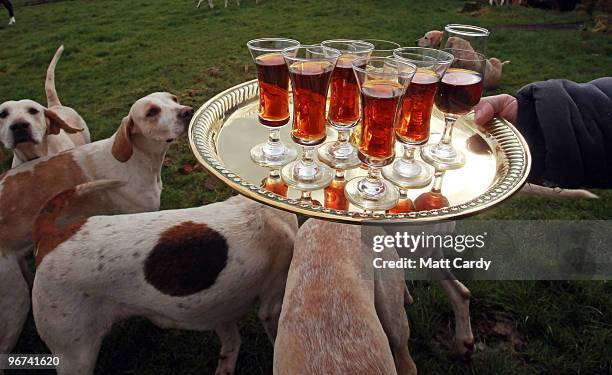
(503,105)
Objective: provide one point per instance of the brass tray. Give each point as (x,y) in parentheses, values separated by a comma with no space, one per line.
(225,128)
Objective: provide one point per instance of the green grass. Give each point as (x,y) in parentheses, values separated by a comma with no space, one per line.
(118,51)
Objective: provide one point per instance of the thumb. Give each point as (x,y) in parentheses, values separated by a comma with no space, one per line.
(503,105)
(483,112)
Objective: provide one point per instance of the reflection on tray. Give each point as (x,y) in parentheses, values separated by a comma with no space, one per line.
(334,193)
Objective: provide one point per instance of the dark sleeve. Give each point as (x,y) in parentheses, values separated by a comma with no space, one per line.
(568,127)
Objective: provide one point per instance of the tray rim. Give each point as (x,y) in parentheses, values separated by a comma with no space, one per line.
(249,190)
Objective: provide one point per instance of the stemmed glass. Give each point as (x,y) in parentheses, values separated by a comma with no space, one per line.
(273,79)
(310,69)
(383,82)
(459,91)
(412,125)
(466,37)
(343,111)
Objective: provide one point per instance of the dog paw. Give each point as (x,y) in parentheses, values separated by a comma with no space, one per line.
(224,367)
(466,348)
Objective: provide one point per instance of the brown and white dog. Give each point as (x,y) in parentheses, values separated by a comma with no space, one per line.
(133,155)
(335,320)
(494,67)
(33,131)
(195,269)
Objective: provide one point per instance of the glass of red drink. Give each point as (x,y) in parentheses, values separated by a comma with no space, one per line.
(343,110)
(273,77)
(383,82)
(310,69)
(458,92)
(412,125)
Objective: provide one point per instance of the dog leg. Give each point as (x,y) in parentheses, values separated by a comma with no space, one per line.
(230,346)
(199,3)
(269,312)
(226,3)
(14,303)
(72,324)
(460,299)
(390,301)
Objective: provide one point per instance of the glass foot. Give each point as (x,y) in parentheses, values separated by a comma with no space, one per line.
(339,155)
(307,176)
(443,157)
(378,197)
(412,174)
(272,154)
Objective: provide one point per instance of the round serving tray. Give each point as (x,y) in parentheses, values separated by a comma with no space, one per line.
(225,128)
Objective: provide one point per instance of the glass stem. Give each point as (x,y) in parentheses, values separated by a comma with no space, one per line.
(308,155)
(409,151)
(448,130)
(274,135)
(343,136)
(274,174)
(437,184)
(371,187)
(306,196)
(339,174)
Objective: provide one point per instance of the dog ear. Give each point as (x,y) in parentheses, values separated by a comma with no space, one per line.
(435,38)
(122,147)
(56,123)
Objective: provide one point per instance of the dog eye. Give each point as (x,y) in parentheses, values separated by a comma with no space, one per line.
(153,112)
(33,111)
(175,99)
(4,114)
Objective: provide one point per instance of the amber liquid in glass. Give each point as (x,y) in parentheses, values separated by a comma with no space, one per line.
(379,100)
(310,81)
(273,77)
(413,121)
(460,90)
(344,93)
(334,195)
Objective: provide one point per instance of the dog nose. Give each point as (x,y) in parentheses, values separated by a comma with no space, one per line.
(416,42)
(19,126)
(186,113)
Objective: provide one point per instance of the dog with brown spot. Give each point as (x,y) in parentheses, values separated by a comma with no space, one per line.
(33,131)
(337,318)
(134,156)
(195,269)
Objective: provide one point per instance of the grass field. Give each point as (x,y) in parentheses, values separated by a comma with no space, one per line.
(118,51)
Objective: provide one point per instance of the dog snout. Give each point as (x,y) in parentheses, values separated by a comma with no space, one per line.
(19,126)
(21,132)
(186,114)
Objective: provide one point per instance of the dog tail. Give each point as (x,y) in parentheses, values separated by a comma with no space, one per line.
(506,62)
(52,98)
(45,232)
